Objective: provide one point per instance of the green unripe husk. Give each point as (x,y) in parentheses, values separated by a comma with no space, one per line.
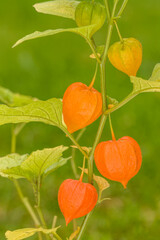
(90,13)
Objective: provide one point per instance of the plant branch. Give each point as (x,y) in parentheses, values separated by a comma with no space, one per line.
(91,44)
(84,223)
(74,168)
(122,8)
(26,204)
(74,141)
(104,117)
(122,103)
(23,199)
(107,9)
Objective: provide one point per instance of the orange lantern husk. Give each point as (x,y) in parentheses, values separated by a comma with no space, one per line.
(118,160)
(82,105)
(126,55)
(76,199)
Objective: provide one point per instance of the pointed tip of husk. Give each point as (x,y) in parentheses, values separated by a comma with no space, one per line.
(124,184)
(68,220)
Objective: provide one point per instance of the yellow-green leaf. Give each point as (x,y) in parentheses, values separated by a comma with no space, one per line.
(83,31)
(140,85)
(27,232)
(14,99)
(49,112)
(62,8)
(34,166)
(156,73)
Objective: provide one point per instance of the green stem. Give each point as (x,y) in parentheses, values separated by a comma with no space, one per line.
(103,118)
(26,204)
(119,34)
(84,224)
(103,91)
(107,9)
(122,103)
(91,44)
(23,199)
(103,85)
(38,206)
(57,236)
(110,28)
(73,165)
(13,141)
(74,141)
(97,139)
(122,8)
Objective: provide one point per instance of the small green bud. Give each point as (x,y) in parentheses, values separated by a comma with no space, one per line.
(88,13)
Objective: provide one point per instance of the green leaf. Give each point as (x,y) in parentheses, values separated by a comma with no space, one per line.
(83,31)
(38,164)
(10,161)
(140,85)
(49,112)
(156,73)
(27,232)
(14,99)
(62,8)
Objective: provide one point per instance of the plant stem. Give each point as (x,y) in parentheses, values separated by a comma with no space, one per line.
(91,44)
(91,157)
(107,9)
(122,103)
(103,118)
(103,91)
(13,140)
(23,199)
(119,34)
(73,165)
(74,141)
(83,225)
(110,28)
(26,204)
(122,8)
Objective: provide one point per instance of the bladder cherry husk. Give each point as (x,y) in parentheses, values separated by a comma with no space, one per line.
(76,199)
(126,55)
(82,105)
(90,13)
(118,160)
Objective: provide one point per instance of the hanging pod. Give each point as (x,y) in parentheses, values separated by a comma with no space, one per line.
(126,55)
(82,105)
(76,199)
(90,13)
(118,160)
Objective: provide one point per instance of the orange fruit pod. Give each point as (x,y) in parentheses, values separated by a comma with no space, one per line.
(118,160)
(76,199)
(82,105)
(126,55)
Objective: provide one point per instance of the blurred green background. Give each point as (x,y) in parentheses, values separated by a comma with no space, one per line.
(44,68)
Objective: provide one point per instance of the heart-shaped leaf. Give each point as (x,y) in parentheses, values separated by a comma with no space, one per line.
(83,31)
(49,112)
(34,166)
(62,8)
